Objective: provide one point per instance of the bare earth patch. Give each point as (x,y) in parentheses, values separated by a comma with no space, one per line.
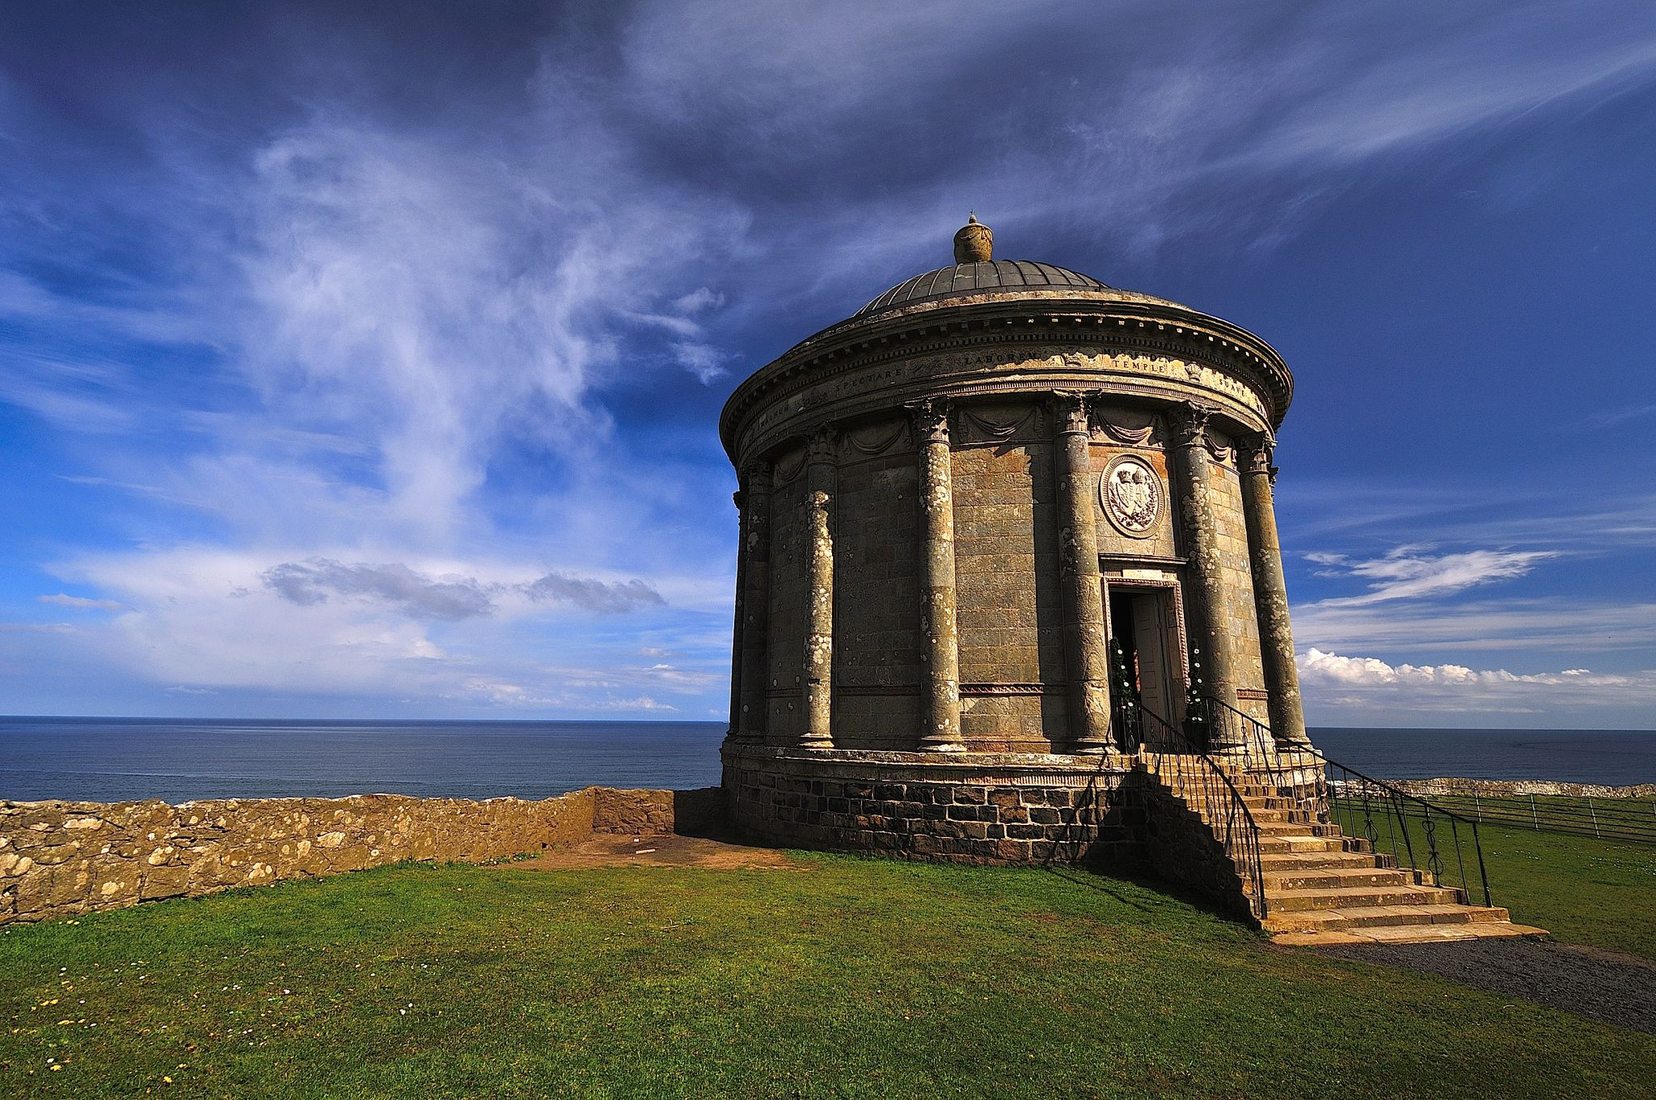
(658,851)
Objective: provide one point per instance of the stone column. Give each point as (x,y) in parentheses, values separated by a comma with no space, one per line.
(738,498)
(819,592)
(1085,652)
(1276,639)
(754,602)
(940,633)
(1204,569)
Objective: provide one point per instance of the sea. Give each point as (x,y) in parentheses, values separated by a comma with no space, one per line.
(119,759)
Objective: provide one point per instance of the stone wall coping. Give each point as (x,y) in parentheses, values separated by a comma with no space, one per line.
(961,767)
(235,803)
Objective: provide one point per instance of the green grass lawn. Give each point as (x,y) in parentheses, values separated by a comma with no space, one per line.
(1582,890)
(849,978)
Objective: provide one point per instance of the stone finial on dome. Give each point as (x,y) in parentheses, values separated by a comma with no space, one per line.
(975,243)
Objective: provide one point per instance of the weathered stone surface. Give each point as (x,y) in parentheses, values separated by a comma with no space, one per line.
(1497,788)
(959,808)
(107,856)
(938,553)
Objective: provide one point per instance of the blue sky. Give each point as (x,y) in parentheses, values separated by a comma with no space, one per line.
(364,360)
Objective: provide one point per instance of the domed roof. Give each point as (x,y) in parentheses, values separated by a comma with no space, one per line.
(960,280)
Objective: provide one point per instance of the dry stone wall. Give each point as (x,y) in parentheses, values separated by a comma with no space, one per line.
(1502,788)
(62,858)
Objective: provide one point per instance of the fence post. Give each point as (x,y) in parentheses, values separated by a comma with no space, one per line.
(1477,805)
(1533,816)
(1594,814)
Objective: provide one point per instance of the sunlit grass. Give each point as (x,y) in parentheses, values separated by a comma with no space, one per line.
(849,978)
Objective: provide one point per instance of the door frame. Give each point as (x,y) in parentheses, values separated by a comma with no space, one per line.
(1173,594)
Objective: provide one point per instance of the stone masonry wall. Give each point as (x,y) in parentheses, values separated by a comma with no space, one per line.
(877,662)
(914,809)
(1113,544)
(1010,604)
(1109,814)
(62,858)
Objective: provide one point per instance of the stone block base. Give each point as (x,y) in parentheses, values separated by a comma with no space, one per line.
(980,808)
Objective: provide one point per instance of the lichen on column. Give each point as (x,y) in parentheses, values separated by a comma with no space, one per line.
(1085,649)
(941,638)
(1204,564)
(819,627)
(1270,589)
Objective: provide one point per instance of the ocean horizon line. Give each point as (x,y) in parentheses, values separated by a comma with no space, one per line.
(393,720)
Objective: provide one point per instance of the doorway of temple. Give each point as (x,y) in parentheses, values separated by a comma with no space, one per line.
(1145,648)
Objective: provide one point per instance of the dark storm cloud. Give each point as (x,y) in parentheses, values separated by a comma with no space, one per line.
(448,597)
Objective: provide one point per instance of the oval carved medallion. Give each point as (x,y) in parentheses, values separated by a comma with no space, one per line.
(1131,495)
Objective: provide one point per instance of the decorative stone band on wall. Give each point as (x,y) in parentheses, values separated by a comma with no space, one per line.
(62,858)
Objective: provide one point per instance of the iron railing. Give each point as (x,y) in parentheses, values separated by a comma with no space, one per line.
(1169,754)
(1400,826)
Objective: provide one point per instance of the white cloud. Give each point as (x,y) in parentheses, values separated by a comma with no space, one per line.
(1410,572)
(80,603)
(480,634)
(1330,680)
(396,306)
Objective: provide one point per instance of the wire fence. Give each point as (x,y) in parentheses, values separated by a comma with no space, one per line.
(1629,819)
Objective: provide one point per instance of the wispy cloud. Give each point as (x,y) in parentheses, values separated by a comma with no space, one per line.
(1412,572)
(364,358)
(1545,623)
(80,603)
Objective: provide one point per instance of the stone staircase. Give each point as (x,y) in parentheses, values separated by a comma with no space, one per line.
(1323,887)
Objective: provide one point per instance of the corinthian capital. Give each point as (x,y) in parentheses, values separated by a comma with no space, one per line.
(1256,451)
(1070,409)
(931,419)
(1193,424)
(823,444)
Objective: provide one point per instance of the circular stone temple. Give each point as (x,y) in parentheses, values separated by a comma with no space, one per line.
(1003,530)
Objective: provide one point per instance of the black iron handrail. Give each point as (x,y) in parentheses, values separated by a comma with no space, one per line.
(1385,812)
(1203,785)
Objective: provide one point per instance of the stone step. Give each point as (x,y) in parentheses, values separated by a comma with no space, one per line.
(1317,878)
(1296,828)
(1293,843)
(1378,916)
(1281,813)
(1322,886)
(1406,933)
(1349,897)
(1312,862)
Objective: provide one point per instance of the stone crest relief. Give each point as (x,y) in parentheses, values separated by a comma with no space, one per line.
(1132,496)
